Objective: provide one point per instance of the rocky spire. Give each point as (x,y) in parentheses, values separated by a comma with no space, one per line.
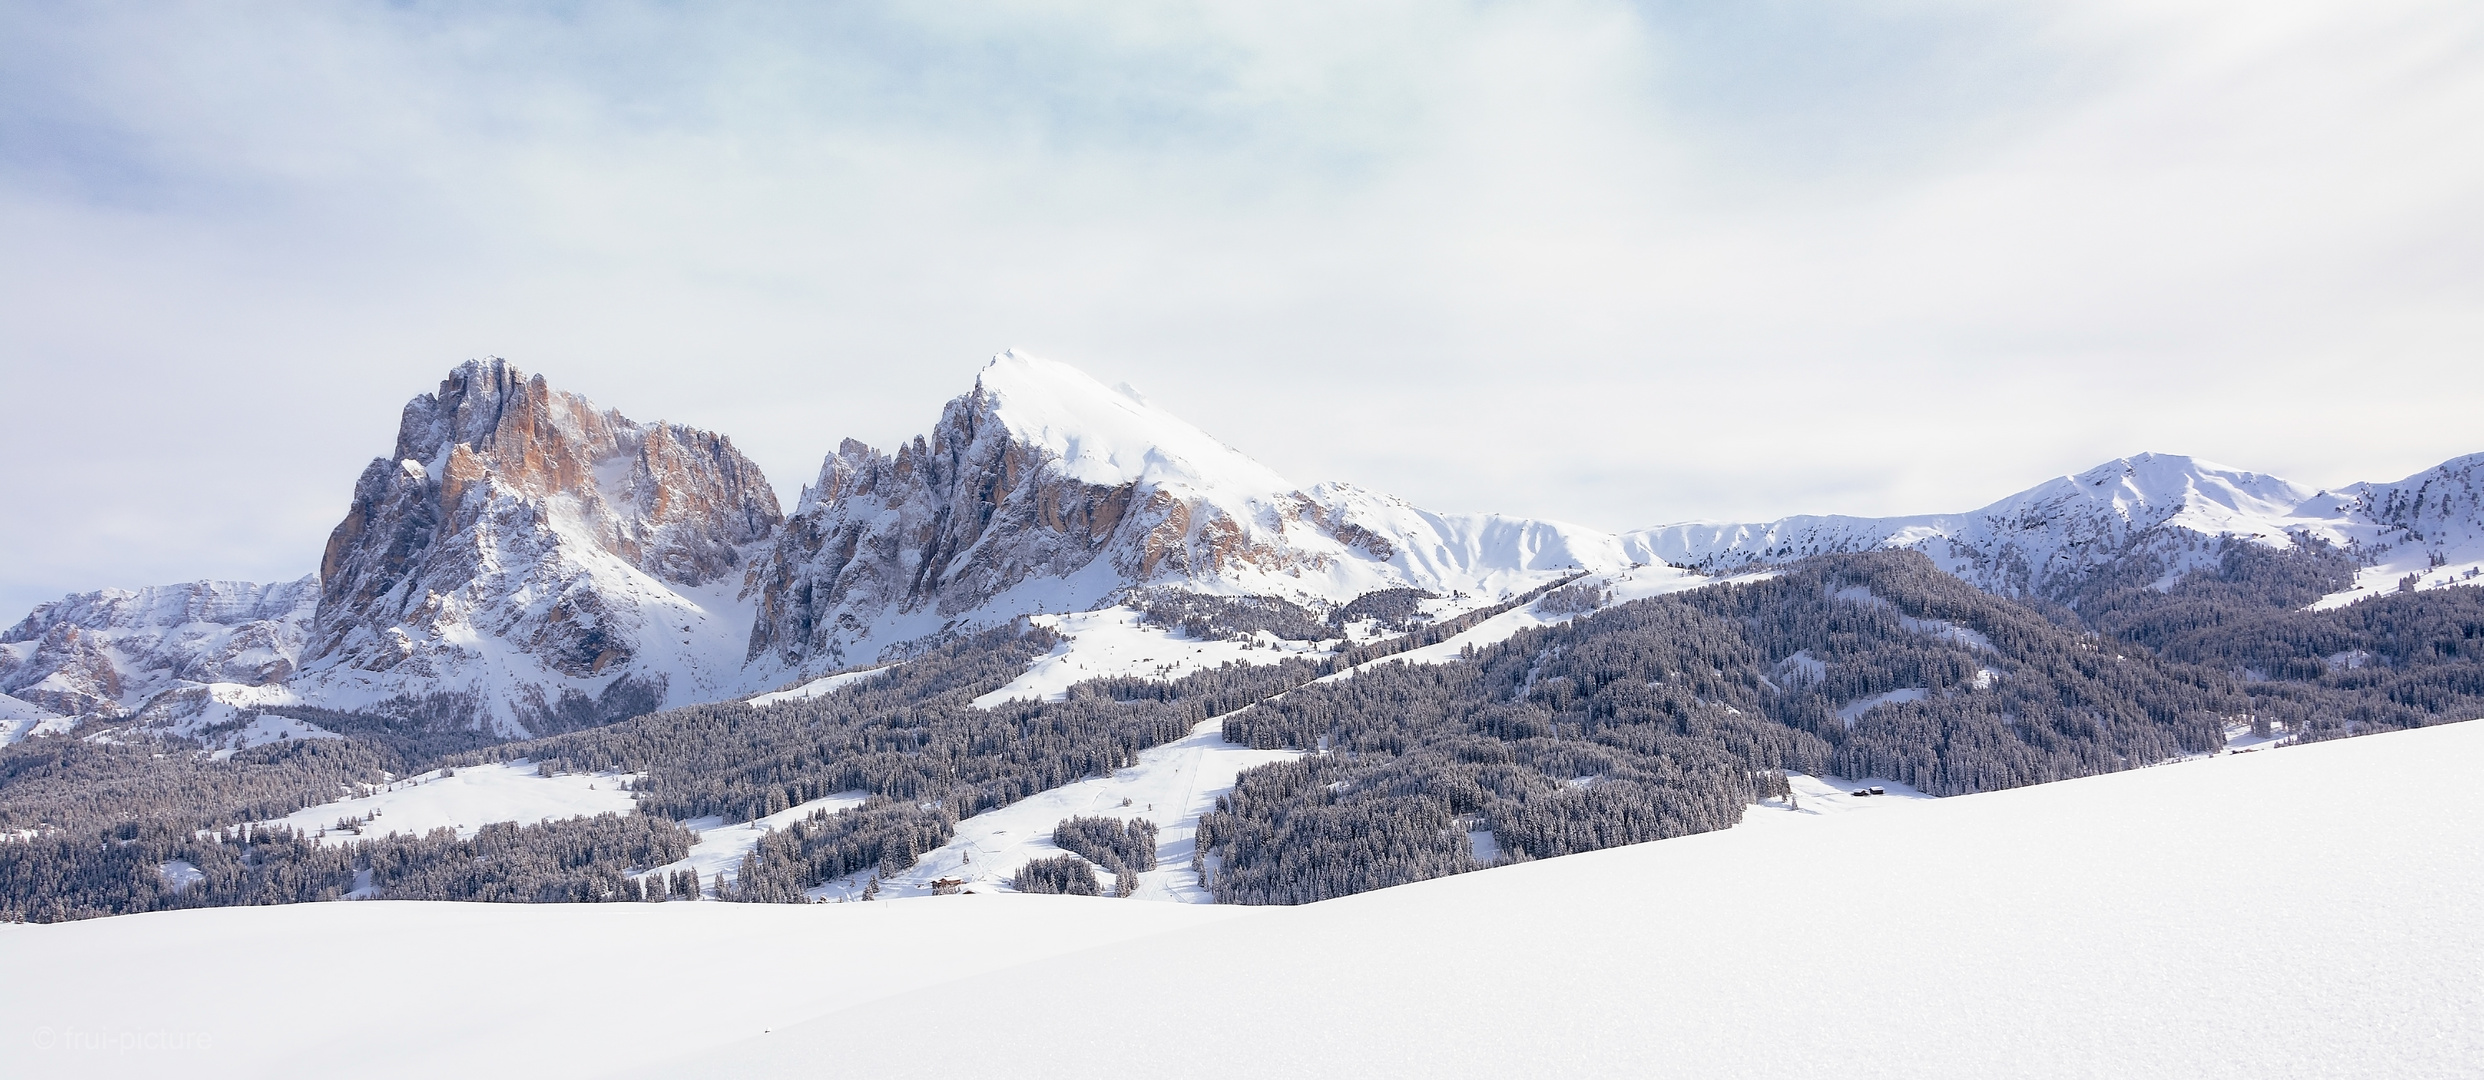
(516,518)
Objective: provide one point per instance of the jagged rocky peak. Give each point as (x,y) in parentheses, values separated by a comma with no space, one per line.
(1032,476)
(1044,489)
(520,543)
(674,501)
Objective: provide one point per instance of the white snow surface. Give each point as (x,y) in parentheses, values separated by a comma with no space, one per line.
(404,989)
(825,684)
(1111,436)
(721,846)
(1620,587)
(1826,798)
(22,719)
(2310,911)
(1170,785)
(475,796)
(1115,642)
(1854,710)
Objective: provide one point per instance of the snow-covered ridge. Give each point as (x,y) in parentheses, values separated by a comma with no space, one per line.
(1044,491)
(1111,436)
(2430,524)
(531,562)
(111,652)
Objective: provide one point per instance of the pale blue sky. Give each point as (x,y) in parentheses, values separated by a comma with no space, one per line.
(1614,263)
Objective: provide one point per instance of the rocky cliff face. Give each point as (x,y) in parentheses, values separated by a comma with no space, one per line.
(535,563)
(1043,490)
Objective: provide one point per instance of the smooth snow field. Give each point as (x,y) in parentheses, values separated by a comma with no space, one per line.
(503,791)
(2311,911)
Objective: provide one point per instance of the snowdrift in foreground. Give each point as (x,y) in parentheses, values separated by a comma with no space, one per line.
(2313,911)
(2310,911)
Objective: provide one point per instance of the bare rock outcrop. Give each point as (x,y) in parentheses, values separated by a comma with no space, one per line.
(556,564)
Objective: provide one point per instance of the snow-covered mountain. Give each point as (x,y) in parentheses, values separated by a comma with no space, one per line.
(528,563)
(525,562)
(1044,490)
(521,561)
(2423,532)
(112,652)
(2165,508)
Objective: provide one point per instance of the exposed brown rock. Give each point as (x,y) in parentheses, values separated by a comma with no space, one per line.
(498,489)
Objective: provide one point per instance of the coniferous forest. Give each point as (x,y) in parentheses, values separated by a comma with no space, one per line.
(1652,719)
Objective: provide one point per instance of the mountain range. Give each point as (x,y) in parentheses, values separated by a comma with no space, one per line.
(522,563)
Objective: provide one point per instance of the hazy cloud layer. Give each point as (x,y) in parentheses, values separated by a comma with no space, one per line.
(1614,263)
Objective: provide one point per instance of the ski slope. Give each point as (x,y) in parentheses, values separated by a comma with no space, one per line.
(2313,911)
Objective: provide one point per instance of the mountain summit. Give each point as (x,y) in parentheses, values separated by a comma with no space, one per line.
(525,561)
(1045,490)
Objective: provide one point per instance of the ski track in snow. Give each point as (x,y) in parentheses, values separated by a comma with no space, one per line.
(2308,911)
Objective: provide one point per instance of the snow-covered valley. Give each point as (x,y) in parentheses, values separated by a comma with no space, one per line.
(2308,911)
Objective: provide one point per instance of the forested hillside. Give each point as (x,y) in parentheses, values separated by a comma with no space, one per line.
(1666,716)
(1651,719)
